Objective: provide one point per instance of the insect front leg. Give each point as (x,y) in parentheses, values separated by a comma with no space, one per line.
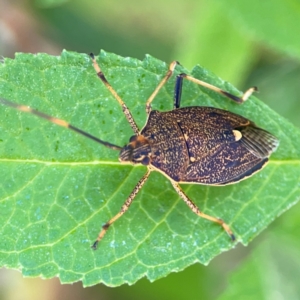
(124,208)
(125,109)
(197,211)
(178,89)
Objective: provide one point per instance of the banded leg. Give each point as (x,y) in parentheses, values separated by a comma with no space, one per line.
(124,208)
(197,211)
(125,109)
(178,89)
(172,66)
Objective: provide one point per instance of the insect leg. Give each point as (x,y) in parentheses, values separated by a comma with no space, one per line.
(197,211)
(242,99)
(160,85)
(124,208)
(125,109)
(177,91)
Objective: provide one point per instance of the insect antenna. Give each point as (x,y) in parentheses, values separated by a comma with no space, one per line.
(57,121)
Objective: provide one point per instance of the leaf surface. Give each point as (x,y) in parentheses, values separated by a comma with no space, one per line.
(58,188)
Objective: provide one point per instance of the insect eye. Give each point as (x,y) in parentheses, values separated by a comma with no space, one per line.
(145,161)
(133,138)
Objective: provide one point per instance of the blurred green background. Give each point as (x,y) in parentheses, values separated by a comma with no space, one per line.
(244,42)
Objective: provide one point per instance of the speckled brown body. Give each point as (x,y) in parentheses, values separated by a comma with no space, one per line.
(197,144)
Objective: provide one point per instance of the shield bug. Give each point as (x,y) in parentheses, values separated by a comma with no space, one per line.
(200,145)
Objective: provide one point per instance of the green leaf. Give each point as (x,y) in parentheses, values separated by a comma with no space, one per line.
(269,272)
(271,269)
(58,188)
(274,22)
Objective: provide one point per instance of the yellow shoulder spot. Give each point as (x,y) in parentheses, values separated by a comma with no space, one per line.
(237,134)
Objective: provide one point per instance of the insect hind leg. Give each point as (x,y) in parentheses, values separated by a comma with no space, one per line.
(178,88)
(197,211)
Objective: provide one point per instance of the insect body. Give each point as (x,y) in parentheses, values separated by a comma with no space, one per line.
(201,145)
